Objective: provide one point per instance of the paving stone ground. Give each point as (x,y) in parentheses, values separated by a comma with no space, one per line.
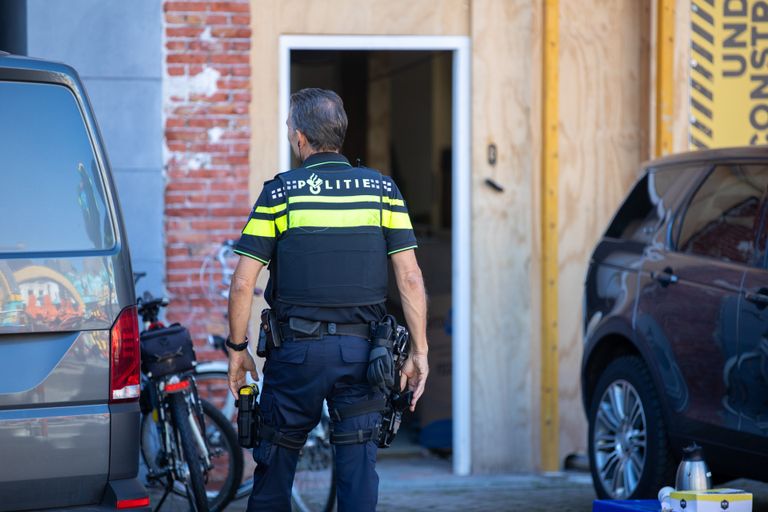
(426,483)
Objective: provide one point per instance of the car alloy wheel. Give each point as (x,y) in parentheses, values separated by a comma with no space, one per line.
(620,439)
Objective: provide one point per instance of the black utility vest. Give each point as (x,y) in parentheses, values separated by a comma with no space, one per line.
(336,262)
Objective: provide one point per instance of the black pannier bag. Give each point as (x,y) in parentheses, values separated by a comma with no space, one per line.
(167,350)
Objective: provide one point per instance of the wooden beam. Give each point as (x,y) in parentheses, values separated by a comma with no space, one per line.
(550,428)
(665,51)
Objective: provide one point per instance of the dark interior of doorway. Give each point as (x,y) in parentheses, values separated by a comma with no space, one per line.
(399,105)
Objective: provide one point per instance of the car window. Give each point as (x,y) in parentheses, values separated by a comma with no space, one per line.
(722,217)
(644,210)
(52,196)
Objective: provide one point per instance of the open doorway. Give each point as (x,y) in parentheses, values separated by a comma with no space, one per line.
(407,98)
(399,105)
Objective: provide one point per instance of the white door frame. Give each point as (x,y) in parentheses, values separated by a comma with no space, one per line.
(462,242)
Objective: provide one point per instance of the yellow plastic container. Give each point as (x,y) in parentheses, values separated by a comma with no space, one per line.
(713,500)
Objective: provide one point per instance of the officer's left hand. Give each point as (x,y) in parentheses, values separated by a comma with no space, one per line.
(414,375)
(240,363)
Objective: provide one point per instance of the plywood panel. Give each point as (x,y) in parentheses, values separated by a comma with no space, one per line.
(272,18)
(603,102)
(408,17)
(646,74)
(652,71)
(264,86)
(535,120)
(505,37)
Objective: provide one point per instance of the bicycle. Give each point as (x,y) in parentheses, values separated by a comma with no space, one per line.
(186,443)
(314,486)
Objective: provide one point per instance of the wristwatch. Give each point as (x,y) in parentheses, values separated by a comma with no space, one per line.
(237,347)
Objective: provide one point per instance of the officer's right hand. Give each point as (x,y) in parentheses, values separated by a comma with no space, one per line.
(240,363)
(414,375)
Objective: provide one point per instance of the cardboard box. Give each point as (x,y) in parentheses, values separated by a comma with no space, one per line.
(713,500)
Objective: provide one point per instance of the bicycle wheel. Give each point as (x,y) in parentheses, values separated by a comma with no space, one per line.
(182,421)
(213,387)
(222,480)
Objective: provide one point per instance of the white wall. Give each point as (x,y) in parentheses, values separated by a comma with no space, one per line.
(117,49)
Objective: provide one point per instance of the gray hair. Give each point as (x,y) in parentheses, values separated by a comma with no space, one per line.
(319,114)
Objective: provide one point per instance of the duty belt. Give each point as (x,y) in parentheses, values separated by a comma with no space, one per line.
(298,328)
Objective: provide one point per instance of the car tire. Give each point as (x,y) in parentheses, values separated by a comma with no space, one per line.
(629,450)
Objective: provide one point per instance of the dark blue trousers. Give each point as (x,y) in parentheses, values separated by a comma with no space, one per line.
(297,378)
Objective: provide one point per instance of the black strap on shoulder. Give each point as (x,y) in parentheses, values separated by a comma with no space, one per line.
(359,409)
(274,436)
(356,437)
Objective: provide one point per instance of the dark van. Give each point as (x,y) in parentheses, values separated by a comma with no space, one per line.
(676,324)
(69,339)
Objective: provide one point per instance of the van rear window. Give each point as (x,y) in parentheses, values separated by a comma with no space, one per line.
(51,195)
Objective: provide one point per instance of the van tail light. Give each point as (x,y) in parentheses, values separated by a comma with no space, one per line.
(125,357)
(134,503)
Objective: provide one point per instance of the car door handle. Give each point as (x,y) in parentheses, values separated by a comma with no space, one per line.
(666,277)
(759,298)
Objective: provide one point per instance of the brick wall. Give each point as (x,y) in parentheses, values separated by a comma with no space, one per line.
(206,97)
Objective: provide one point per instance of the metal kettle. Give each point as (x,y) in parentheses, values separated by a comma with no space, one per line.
(693,473)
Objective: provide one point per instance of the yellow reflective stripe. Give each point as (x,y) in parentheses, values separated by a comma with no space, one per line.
(270,209)
(334,199)
(260,227)
(394,202)
(335,218)
(396,220)
(281,223)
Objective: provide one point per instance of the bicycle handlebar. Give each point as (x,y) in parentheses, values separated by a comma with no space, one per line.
(149,307)
(137,276)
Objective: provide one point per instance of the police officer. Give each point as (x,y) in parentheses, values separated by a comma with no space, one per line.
(325,229)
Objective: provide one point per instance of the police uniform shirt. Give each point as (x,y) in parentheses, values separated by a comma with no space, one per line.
(325,195)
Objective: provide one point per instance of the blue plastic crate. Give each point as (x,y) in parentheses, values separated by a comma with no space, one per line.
(626,506)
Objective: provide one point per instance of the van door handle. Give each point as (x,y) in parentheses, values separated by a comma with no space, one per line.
(666,277)
(758,298)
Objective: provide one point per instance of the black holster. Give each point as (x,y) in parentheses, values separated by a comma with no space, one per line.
(269,333)
(381,361)
(391,418)
(388,355)
(249,418)
(251,429)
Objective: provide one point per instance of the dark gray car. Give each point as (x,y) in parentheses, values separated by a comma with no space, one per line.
(69,341)
(676,324)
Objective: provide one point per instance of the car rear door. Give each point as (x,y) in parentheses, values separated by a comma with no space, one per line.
(59,257)
(689,294)
(746,373)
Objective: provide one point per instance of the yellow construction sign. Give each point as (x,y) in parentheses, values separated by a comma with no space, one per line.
(729,73)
